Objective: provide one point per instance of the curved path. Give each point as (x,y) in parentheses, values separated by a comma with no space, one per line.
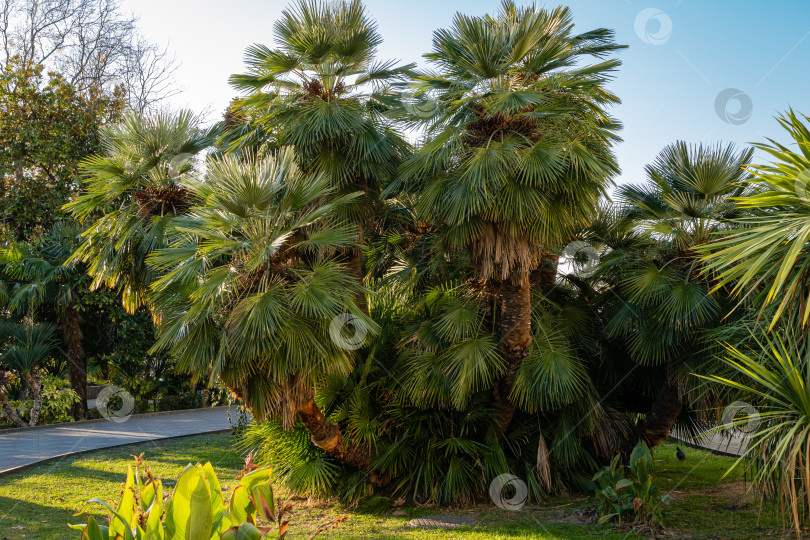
(21,448)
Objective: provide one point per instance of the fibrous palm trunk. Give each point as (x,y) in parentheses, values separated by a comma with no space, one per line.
(545,275)
(71,326)
(658,421)
(516,337)
(354,260)
(328,437)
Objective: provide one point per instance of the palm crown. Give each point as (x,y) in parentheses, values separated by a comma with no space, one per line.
(249,290)
(519,150)
(691,192)
(323,92)
(139,183)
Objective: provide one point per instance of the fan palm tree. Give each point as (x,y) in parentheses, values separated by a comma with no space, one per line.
(39,278)
(765,257)
(517,153)
(27,347)
(658,303)
(323,92)
(132,191)
(251,293)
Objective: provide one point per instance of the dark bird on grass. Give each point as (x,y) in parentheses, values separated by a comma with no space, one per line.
(681,456)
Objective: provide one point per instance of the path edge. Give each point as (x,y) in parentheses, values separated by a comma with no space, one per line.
(23,468)
(706,448)
(97,420)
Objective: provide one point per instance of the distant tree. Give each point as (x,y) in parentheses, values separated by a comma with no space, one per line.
(46,127)
(91,43)
(660,308)
(37,284)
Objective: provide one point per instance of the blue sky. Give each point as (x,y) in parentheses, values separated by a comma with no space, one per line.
(682,55)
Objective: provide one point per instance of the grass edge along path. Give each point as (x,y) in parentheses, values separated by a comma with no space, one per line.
(38,503)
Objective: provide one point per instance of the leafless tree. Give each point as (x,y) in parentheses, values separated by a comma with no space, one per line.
(91,43)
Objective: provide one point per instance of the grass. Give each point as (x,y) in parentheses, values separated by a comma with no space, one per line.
(39,502)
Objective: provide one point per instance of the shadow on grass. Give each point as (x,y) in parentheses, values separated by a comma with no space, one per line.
(22,520)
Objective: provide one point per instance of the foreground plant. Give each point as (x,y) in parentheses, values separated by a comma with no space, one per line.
(627,493)
(766,258)
(773,378)
(195,510)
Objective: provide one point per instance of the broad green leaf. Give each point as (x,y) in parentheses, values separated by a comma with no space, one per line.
(93,531)
(202,518)
(263,500)
(190,495)
(623,483)
(256,477)
(116,518)
(246,531)
(241,505)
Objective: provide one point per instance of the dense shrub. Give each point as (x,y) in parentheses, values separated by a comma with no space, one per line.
(57,399)
(179,402)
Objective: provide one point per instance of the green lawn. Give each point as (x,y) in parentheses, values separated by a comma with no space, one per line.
(39,502)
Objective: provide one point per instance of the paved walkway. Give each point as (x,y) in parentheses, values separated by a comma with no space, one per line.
(21,448)
(716,442)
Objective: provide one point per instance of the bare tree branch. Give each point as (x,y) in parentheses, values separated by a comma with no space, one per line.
(92,43)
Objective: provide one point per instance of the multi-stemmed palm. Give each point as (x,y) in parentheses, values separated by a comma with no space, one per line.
(656,297)
(323,92)
(132,191)
(251,293)
(517,153)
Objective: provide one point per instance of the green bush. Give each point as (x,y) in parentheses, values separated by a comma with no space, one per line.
(627,493)
(57,400)
(187,400)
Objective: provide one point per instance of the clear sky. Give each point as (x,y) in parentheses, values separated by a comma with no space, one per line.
(696,70)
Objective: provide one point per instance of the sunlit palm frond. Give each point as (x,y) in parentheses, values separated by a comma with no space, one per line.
(132,191)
